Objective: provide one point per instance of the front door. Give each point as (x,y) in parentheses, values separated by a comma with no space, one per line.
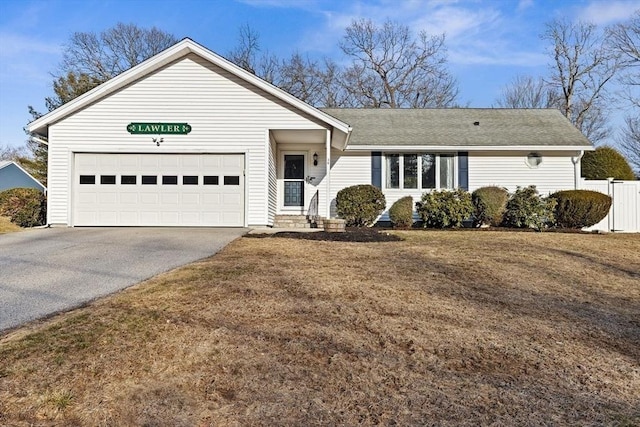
(294,173)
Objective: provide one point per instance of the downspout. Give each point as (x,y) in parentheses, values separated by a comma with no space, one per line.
(576,170)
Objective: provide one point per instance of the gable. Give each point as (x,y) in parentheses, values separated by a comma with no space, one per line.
(190,90)
(180,50)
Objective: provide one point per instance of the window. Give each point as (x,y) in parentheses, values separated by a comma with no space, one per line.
(393,171)
(169,180)
(149,180)
(190,180)
(107,179)
(428,171)
(231,180)
(420,171)
(87,179)
(410,171)
(128,180)
(210,180)
(446,171)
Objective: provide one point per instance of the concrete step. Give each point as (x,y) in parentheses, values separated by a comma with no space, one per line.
(293,221)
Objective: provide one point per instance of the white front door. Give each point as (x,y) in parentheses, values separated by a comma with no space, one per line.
(294,172)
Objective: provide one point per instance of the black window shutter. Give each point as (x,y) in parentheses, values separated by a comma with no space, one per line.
(463,170)
(376,169)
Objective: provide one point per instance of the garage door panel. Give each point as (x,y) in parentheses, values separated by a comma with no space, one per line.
(108,198)
(129,198)
(200,197)
(129,218)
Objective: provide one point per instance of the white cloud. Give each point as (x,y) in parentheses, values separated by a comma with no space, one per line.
(524,4)
(606,12)
(17,45)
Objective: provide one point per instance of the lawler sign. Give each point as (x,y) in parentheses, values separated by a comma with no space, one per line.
(159,128)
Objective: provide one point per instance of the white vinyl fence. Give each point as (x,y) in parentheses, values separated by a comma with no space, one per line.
(624,215)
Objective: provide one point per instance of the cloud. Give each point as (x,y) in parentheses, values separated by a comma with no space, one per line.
(606,12)
(524,4)
(17,45)
(475,33)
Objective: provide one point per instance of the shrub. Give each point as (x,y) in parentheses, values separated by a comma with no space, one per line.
(489,204)
(446,208)
(526,209)
(580,208)
(360,205)
(25,207)
(401,213)
(606,162)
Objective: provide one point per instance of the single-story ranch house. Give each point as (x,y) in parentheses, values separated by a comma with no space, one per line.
(187,138)
(12,175)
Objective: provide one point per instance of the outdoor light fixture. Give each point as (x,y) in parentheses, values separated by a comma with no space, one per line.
(315,159)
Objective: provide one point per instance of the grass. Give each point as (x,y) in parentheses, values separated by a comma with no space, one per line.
(444,328)
(6,226)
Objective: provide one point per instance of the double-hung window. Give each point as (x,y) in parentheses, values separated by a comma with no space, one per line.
(423,171)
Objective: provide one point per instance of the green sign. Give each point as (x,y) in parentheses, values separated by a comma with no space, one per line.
(159,128)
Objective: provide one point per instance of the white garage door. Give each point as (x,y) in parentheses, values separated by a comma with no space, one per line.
(158,190)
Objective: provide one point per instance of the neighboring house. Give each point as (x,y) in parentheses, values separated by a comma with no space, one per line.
(187,138)
(12,175)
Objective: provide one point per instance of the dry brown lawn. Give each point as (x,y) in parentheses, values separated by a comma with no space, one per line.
(444,328)
(6,226)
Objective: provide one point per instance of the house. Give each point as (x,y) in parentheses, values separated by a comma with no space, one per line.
(12,175)
(187,138)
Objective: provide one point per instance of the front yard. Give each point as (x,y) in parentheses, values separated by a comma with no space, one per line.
(6,226)
(444,328)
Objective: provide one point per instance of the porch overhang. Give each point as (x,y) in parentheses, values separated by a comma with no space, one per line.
(339,138)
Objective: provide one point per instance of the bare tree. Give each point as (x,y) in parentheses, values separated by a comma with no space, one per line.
(8,152)
(624,38)
(528,92)
(392,68)
(629,142)
(105,55)
(581,70)
(249,55)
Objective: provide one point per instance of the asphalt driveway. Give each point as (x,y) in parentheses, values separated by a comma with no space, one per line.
(45,271)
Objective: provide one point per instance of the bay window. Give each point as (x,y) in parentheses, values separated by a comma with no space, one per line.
(420,171)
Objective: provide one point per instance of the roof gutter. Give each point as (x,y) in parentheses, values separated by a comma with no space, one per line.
(402,148)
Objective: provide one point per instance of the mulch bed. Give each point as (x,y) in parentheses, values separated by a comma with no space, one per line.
(357,235)
(381,234)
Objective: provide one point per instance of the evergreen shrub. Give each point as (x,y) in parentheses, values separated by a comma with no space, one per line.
(360,205)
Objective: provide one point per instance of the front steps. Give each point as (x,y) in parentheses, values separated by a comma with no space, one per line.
(295,222)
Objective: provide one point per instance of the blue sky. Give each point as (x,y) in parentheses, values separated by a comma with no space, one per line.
(489,41)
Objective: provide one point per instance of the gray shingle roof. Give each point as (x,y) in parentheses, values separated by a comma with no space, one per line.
(455,127)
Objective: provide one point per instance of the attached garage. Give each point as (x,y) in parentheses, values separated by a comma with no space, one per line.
(185,138)
(112,189)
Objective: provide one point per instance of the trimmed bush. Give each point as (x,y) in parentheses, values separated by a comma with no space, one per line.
(360,205)
(489,204)
(580,208)
(445,209)
(401,213)
(25,207)
(526,209)
(606,162)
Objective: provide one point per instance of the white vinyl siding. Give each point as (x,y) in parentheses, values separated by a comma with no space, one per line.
(226,114)
(347,169)
(510,170)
